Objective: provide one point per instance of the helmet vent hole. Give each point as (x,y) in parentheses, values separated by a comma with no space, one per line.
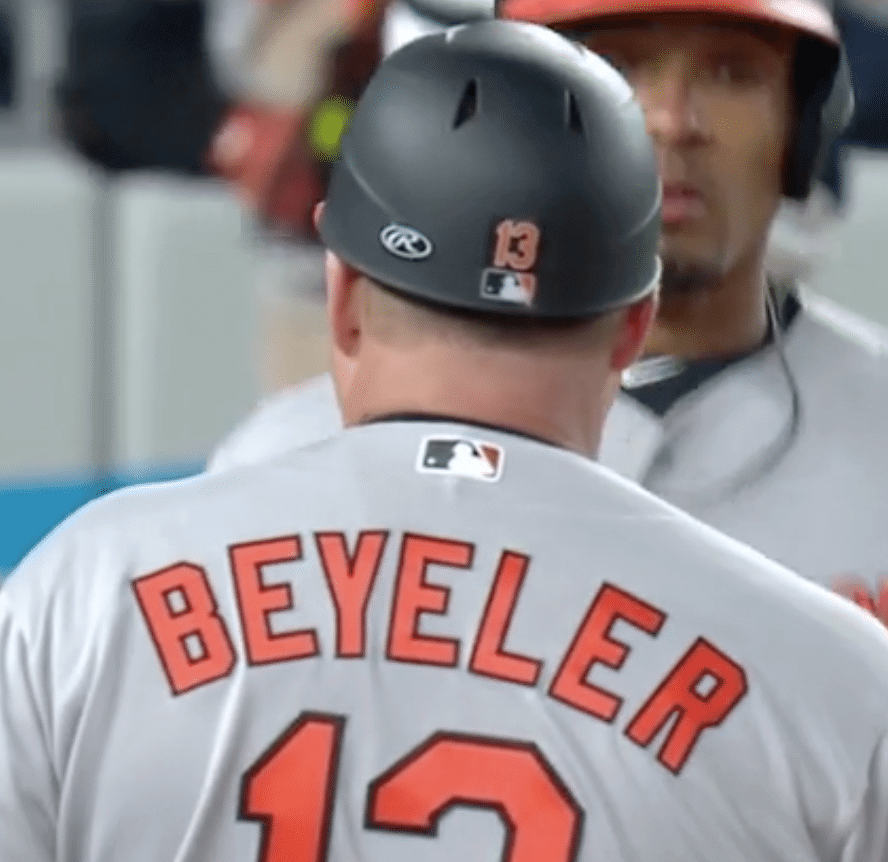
(468,104)
(573,118)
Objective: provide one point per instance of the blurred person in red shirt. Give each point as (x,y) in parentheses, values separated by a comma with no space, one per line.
(295,68)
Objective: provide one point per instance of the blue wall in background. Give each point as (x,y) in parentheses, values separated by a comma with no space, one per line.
(31,507)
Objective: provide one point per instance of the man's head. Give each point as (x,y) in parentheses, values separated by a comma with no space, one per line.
(493,226)
(734,97)
(718,98)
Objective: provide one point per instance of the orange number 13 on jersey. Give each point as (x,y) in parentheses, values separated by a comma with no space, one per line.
(290,790)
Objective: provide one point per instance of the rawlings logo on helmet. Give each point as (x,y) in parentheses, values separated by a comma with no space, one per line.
(405,242)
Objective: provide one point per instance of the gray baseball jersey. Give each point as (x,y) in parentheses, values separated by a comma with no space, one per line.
(808,491)
(429,641)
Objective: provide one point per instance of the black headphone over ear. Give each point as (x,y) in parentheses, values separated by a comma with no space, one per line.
(825,98)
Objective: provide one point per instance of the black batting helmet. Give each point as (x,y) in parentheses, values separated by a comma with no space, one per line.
(497,167)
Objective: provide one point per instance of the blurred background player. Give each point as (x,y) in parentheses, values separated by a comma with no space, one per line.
(136,88)
(295,69)
(298,66)
(417,672)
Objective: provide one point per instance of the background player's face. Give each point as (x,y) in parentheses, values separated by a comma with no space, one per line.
(718,100)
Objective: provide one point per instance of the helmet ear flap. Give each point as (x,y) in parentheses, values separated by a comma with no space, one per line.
(824,108)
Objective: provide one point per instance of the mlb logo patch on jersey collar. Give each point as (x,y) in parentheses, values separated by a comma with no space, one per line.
(460,456)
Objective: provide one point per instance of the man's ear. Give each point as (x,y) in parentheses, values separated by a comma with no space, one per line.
(317,215)
(637,321)
(343,306)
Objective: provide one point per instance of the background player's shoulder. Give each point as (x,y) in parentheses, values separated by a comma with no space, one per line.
(296,416)
(849,334)
(840,363)
(723,566)
(798,619)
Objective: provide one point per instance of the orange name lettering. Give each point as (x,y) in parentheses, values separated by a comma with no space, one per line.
(350,579)
(415,596)
(489,656)
(196,621)
(256,601)
(679,694)
(594,645)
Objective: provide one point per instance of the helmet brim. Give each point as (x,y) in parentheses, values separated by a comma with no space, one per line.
(803,16)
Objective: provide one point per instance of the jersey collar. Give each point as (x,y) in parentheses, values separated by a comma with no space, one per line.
(443,418)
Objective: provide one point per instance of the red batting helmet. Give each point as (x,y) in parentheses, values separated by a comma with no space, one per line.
(824,95)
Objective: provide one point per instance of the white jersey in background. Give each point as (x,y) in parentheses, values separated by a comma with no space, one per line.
(429,641)
(805,486)
(293,417)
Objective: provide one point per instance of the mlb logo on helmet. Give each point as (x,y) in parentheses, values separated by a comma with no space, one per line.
(460,456)
(505,286)
(515,254)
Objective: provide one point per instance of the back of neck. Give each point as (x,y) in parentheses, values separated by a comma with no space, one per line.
(566,412)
